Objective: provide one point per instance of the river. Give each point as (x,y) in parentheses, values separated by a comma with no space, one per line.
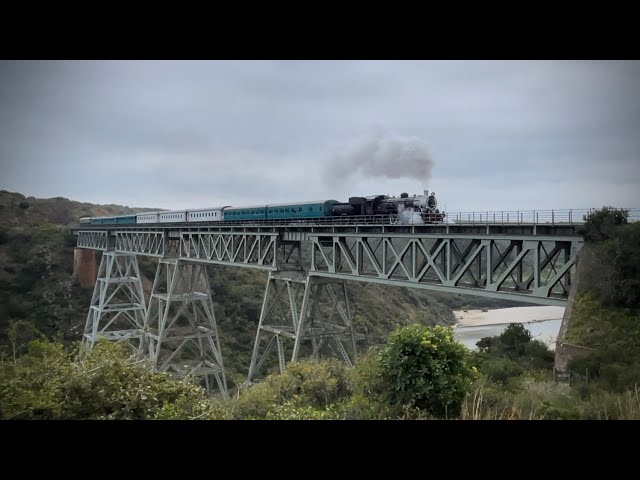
(542,322)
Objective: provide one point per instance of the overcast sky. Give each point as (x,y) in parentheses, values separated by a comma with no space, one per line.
(498,135)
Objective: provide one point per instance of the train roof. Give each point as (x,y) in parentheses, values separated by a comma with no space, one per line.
(247,206)
(113,216)
(206,209)
(310,202)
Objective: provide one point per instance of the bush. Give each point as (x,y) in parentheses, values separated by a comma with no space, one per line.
(423,367)
(599,224)
(306,389)
(611,268)
(613,367)
(537,355)
(50,382)
(511,343)
(501,369)
(514,339)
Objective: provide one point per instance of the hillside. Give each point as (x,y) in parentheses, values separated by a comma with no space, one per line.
(605,316)
(36,262)
(17,210)
(36,283)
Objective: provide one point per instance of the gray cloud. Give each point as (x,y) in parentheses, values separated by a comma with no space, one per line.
(516,135)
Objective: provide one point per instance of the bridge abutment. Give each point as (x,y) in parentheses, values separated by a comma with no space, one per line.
(85,267)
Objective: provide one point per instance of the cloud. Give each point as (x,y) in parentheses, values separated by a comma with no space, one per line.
(186,134)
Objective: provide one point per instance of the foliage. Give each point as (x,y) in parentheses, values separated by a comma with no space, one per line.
(306,389)
(610,269)
(291,411)
(599,224)
(508,354)
(514,338)
(425,368)
(367,401)
(50,381)
(614,335)
(548,400)
(501,370)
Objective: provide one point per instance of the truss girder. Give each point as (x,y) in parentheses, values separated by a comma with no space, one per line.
(254,249)
(531,269)
(151,243)
(93,239)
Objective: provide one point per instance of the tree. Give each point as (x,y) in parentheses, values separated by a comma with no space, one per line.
(514,339)
(424,367)
(599,224)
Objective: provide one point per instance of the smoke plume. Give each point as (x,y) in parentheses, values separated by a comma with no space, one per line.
(380,154)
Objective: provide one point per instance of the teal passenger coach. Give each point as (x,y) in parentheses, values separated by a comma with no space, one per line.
(319,208)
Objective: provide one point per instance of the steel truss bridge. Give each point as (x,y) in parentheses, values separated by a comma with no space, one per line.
(528,257)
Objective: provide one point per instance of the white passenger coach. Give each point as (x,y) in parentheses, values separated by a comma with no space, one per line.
(213,214)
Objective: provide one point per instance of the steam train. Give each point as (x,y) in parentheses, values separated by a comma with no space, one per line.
(403,210)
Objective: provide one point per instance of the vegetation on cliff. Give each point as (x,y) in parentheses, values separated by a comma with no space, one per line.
(606,312)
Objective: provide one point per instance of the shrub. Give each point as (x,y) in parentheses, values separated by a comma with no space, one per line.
(599,224)
(50,382)
(501,369)
(537,355)
(424,368)
(511,343)
(307,388)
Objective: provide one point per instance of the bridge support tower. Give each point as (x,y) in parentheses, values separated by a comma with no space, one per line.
(312,312)
(117,310)
(181,335)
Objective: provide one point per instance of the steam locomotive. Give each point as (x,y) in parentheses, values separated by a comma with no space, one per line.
(403,210)
(422,205)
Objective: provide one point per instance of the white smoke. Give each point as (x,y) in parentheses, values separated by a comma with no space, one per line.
(408,216)
(381,154)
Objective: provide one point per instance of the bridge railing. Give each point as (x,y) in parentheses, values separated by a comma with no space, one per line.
(528,217)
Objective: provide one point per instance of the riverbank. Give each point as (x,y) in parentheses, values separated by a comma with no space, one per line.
(473,318)
(543,322)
